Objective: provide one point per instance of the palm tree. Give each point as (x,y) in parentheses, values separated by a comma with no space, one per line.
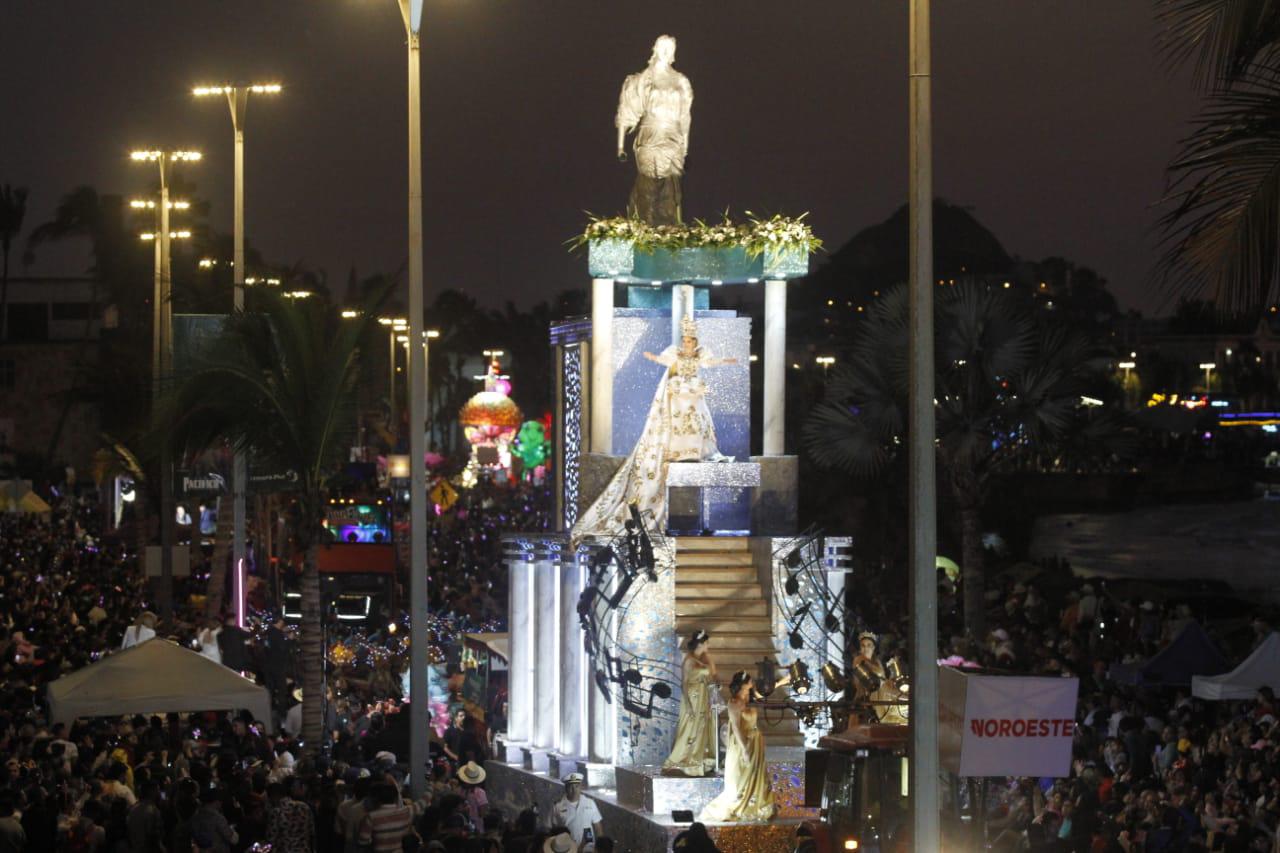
(1222,231)
(1007,387)
(281,386)
(13,207)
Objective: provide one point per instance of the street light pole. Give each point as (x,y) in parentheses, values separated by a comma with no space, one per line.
(922,485)
(419,602)
(238,101)
(162,365)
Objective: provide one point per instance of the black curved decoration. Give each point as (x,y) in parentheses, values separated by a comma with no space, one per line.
(615,575)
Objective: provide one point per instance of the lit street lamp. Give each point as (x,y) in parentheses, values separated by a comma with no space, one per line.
(238,101)
(826,361)
(1208,368)
(162,354)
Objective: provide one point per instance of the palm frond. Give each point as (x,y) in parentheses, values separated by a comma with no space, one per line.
(1222,235)
(1221,38)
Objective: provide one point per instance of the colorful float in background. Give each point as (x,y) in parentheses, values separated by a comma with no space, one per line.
(490,421)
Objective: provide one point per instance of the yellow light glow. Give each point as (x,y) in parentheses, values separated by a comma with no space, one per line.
(297,294)
(139,204)
(201,91)
(404,339)
(179,235)
(145,155)
(147,235)
(433,333)
(1208,365)
(1127,365)
(350,314)
(206,263)
(266,88)
(825,360)
(180,205)
(851,844)
(185,155)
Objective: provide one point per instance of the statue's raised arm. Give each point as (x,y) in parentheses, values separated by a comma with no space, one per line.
(657,103)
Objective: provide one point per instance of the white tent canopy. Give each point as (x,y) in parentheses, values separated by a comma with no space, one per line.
(1258,669)
(153,677)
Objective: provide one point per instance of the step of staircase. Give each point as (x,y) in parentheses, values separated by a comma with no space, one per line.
(726,559)
(711,543)
(686,625)
(722,641)
(702,606)
(698,574)
(729,590)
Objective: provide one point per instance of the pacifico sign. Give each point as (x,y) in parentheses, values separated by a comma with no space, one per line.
(1003,725)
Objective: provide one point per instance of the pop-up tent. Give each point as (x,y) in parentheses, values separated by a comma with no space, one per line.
(1190,654)
(1258,669)
(153,677)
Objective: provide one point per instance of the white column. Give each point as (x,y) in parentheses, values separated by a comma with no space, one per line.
(775,367)
(681,304)
(546,653)
(602,365)
(602,713)
(571,661)
(520,720)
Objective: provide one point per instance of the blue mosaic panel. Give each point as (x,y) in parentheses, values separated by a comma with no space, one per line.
(571,441)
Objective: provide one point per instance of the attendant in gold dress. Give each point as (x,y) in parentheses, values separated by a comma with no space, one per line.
(747,795)
(694,751)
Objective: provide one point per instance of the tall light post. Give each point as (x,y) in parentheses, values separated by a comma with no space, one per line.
(1208,367)
(396,326)
(411,12)
(427,337)
(162,358)
(238,101)
(922,485)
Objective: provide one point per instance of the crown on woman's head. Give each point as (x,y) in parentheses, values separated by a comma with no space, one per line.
(688,328)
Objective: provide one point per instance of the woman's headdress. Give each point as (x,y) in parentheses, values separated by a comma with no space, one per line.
(688,328)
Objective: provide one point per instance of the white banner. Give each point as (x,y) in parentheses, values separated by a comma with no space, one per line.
(998,725)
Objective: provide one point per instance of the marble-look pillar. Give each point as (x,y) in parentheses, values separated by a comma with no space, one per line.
(601,713)
(546,653)
(572,681)
(602,365)
(775,367)
(520,720)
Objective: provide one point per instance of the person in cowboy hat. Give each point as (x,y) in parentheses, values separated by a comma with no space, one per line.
(471,775)
(576,812)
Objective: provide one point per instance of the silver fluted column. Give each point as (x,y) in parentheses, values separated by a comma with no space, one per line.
(775,368)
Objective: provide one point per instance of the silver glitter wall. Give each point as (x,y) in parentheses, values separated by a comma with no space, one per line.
(647,630)
(722,334)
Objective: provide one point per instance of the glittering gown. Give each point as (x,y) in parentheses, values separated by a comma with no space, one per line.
(678,429)
(747,795)
(693,753)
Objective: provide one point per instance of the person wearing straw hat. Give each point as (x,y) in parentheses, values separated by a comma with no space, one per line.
(575,812)
(561,842)
(471,775)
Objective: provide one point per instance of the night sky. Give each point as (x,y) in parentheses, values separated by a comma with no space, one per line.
(1053,121)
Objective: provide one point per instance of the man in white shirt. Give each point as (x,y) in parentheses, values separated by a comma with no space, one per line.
(576,812)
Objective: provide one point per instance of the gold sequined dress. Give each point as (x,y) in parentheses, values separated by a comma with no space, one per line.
(693,753)
(747,794)
(678,429)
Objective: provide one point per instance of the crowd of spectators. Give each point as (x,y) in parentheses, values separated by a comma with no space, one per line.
(1154,769)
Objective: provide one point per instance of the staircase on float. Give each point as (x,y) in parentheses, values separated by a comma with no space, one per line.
(718,590)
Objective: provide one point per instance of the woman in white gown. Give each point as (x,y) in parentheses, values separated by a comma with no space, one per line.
(678,429)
